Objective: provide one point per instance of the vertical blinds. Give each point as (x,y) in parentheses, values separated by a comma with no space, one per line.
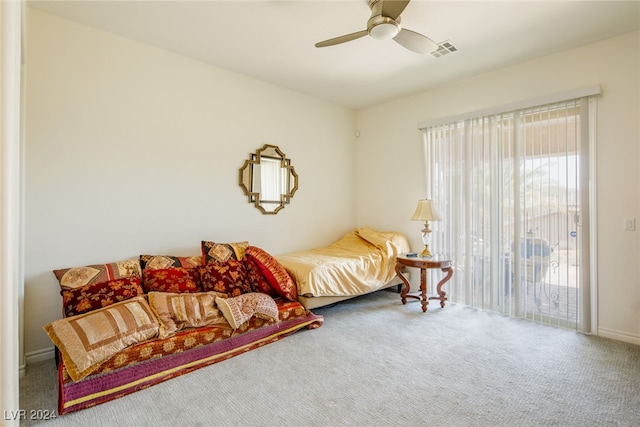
(510,190)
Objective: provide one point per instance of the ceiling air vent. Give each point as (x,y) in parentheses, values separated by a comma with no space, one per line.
(444,48)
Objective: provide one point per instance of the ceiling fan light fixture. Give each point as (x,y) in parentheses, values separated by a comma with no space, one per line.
(385,29)
(384,24)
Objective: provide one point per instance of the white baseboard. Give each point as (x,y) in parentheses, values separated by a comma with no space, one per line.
(39,355)
(620,336)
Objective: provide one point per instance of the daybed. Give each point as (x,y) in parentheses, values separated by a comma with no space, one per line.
(132,324)
(360,262)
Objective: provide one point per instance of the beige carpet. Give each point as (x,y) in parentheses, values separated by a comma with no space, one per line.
(376,362)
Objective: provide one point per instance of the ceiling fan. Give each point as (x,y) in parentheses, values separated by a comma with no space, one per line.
(384,24)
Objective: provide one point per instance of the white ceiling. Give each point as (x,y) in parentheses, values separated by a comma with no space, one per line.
(274,40)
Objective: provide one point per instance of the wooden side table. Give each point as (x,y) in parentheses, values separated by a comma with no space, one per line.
(424,264)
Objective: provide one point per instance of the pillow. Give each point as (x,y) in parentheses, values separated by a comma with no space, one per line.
(178,311)
(389,241)
(222,252)
(87,340)
(175,279)
(238,310)
(77,277)
(274,272)
(229,278)
(159,262)
(98,295)
(257,281)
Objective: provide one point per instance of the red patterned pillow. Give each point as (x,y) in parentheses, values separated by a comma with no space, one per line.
(229,278)
(257,281)
(222,252)
(174,279)
(98,295)
(158,262)
(274,272)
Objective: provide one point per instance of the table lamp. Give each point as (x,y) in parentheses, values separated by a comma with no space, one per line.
(424,212)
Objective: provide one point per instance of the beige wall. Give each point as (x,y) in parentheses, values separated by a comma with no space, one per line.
(132,149)
(390,160)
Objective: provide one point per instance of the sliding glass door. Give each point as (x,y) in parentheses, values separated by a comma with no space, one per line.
(512,192)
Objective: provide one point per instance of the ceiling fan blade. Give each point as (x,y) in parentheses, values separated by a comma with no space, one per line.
(415,42)
(393,8)
(342,39)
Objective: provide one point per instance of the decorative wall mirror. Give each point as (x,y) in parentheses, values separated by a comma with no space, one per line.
(268,179)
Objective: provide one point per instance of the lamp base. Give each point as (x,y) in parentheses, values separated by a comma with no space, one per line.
(426,253)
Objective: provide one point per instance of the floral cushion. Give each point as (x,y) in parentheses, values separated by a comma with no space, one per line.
(238,310)
(175,279)
(222,252)
(229,278)
(98,295)
(86,340)
(179,311)
(159,262)
(257,281)
(274,272)
(77,277)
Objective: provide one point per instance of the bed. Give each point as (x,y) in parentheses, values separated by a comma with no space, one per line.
(360,262)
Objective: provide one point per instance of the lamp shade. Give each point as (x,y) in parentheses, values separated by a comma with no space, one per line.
(424,211)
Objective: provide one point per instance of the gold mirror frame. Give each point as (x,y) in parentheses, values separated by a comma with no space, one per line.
(268,179)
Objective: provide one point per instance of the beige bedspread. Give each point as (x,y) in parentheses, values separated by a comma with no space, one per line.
(360,262)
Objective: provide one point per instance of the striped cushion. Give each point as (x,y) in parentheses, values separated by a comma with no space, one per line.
(177,311)
(86,340)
